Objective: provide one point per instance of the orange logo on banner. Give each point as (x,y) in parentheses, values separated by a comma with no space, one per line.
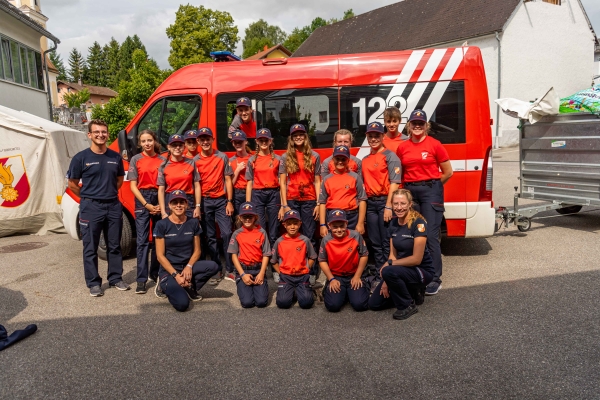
(15,184)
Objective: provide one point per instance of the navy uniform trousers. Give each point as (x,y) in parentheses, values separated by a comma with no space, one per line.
(358,299)
(401,282)
(96,217)
(429,201)
(142,229)
(178,297)
(268,203)
(288,284)
(309,225)
(252,295)
(213,214)
(239,197)
(378,231)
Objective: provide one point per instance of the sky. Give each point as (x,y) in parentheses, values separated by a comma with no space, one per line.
(78,23)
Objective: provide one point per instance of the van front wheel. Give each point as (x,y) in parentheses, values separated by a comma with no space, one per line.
(126,240)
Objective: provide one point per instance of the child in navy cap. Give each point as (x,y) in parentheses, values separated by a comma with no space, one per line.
(244,118)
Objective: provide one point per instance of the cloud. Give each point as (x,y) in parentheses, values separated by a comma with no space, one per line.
(78,23)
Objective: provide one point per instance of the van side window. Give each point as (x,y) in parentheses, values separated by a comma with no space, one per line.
(278,110)
(444,103)
(172,115)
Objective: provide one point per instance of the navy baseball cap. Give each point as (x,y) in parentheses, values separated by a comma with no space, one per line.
(177,194)
(243,101)
(264,133)
(341,151)
(418,115)
(191,134)
(297,128)
(375,127)
(337,215)
(291,214)
(205,132)
(175,139)
(247,208)
(238,135)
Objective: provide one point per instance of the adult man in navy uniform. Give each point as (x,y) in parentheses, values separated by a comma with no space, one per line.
(101,173)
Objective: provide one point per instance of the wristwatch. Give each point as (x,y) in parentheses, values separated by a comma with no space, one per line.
(390,261)
(174,274)
(198,205)
(229,200)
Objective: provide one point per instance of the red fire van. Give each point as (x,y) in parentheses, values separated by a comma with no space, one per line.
(328,93)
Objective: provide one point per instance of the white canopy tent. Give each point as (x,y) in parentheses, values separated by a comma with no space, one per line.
(34,157)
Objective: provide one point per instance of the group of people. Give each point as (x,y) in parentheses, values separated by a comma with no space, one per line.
(395,194)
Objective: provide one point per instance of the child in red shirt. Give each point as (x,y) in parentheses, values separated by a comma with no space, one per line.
(191,144)
(244,119)
(343,190)
(238,164)
(342,257)
(250,252)
(293,258)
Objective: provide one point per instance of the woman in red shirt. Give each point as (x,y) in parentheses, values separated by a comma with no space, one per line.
(238,164)
(191,144)
(263,183)
(179,173)
(142,174)
(381,176)
(422,157)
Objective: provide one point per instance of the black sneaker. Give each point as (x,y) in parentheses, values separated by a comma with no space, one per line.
(120,285)
(192,294)
(158,291)
(140,288)
(407,312)
(417,292)
(96,291)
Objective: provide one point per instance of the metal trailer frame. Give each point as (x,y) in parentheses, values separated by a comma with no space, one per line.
(559,162)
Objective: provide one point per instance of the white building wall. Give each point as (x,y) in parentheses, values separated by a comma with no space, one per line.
(543,46)
(13,95)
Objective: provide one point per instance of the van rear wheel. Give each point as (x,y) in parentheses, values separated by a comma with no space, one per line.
(126,240)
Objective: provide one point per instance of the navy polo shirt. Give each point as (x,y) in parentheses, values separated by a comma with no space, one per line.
(179,239)
(403,240)
(98,173)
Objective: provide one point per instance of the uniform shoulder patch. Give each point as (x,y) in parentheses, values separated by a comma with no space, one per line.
(421,228)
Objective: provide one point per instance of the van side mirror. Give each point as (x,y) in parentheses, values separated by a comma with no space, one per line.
(125,149)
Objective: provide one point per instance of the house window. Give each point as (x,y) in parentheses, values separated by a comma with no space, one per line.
(557,2)
(322,116)
(20,64)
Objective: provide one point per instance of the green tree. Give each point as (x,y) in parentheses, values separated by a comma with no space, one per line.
(111,56)
(299,35)
(76,99)
(116,114)
(145,77)
(196,32)
(125,60)
(76,65)
(96,66)
(56,59)
(259,34)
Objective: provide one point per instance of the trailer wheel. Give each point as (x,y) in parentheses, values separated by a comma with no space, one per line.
(127,240)
(569,210)
(524,224)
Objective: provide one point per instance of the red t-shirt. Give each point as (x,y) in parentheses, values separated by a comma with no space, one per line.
(144,170)
(379,170)
(342,255)
(292,254)
(213,170)
(187,154)
(250,245)
(241,181)
(421,161)
(248,128)
(178,175)
(301,184)
(263,171)
(392,144)
(342,191)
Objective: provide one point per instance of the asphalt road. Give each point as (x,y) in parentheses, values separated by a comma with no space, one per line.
(518,317)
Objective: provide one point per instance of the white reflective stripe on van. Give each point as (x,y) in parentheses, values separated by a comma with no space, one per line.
(475,164)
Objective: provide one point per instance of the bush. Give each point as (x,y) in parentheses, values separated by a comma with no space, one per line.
(115,114)
(76,99)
